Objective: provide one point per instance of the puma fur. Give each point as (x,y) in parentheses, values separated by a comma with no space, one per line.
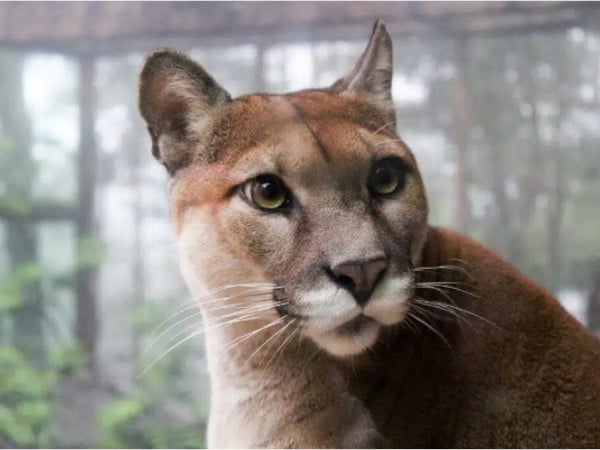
(335,315)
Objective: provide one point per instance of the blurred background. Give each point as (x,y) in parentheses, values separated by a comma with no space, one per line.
(499,101)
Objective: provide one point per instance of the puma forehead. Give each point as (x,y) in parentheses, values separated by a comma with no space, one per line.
(250,119)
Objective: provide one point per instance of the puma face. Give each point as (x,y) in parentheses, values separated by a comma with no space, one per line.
(311,193)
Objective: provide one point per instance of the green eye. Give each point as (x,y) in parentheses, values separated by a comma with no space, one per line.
(387,176)
(267,192)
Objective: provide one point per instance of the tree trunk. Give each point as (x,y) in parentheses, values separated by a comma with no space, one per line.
(501,230)
(86,327)
(532,181)
(593,307)
(462,109)
(28,318)
(557,192)
(259,69)
(132,143)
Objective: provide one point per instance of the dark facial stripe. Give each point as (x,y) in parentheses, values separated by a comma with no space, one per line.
(318,143)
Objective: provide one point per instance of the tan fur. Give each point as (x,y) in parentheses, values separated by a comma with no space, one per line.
(509,368)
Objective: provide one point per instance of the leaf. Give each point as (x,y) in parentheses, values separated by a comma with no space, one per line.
(91,253)
(120,411)
(69,358)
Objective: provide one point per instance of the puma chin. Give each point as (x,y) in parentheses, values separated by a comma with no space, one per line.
(334,320)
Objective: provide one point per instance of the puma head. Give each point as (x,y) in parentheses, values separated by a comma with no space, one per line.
(311,192)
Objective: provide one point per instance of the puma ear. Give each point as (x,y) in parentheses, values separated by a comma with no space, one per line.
(177,98)
(371,76)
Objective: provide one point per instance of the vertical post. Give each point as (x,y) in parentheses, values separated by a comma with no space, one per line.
(558,182)
(132,143)
(86,327)
(462,108)
(593,307)
(259,69)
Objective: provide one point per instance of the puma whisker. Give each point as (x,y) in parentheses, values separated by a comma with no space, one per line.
(444,267)
(198,313)
(429,326)
(238,317)
(273,336)
(456,311)
(194,303)
(229,318)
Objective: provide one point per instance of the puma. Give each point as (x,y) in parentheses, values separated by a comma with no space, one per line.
(335,315)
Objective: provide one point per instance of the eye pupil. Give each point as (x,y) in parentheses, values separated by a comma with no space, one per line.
(383,176)
(386,176)
(268,192)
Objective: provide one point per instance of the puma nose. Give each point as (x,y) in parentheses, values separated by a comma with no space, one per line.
(359,277)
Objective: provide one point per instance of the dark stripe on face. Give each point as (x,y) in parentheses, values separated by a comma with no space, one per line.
(318,143)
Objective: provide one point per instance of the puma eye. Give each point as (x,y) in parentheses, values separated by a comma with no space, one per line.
(387,176)
(267,192)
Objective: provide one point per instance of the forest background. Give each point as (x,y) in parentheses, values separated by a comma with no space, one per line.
(505,128)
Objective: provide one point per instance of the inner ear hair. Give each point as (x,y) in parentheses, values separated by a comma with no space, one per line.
(371,76)
(177,99)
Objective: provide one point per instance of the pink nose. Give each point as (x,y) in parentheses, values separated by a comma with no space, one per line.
(359,277)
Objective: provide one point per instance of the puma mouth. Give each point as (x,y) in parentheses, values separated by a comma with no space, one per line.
(351,338)
(355,326)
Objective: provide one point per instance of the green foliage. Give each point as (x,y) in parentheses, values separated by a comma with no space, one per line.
(25,402)
(140,420)
(116,424)
(69,359)
(152,416)
(10,286)
(17,205)
(133,422)
(91,253)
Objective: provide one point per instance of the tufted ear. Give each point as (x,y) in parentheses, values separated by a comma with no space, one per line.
(371,76)
(177,98)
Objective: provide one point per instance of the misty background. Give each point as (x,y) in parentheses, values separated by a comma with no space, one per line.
(505,126)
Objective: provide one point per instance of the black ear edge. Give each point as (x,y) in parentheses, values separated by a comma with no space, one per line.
(365,68)
(379,39)
(170,61)
(155,62)
(370,78)
(175,91)
(168,58)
